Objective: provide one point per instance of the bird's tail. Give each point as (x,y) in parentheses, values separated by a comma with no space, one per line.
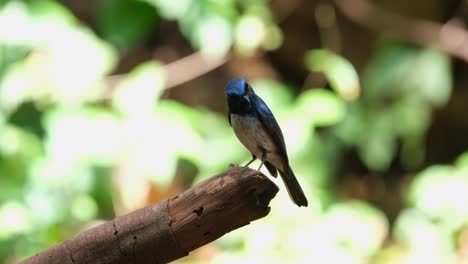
(293,187)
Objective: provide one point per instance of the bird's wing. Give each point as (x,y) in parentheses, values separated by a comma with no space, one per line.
(271,126)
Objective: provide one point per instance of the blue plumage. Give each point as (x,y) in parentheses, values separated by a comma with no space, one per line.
(257,129)
(236,87)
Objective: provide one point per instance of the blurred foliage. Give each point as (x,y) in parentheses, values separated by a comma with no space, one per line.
(125,23)
(342,76)
(75,149)
(403,85)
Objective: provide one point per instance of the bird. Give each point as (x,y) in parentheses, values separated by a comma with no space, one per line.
(257,129)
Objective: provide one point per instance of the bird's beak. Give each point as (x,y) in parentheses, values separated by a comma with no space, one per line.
(246,97)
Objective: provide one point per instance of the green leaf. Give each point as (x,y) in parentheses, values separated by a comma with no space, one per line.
(462,161)
(377,146)
(14,219)
(353,125)
(84,207)
(100,135)
(341,74)
(424,237)
(357,226)
(436,85)
(18,150)
(41,22)
(385,73)
(277,95)
(212,34)
(75,71)
(68,62)
(250,33)
(10,55)
(139,91)
(207,135)
(322,107)
(413,116)
(440,193)
(399,70)
(15,88)
(51,11)
(173,9)
(102,191)
(125,23)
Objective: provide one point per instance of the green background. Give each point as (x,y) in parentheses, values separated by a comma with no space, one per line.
(108,106)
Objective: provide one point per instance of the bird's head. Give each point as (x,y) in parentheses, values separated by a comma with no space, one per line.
(239,95)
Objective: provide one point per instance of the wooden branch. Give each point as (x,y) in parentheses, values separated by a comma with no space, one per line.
(170,229)
(176,73)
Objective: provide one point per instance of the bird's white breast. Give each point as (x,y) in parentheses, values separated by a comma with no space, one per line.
(251,133)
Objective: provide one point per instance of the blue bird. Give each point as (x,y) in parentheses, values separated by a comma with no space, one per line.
(257,129)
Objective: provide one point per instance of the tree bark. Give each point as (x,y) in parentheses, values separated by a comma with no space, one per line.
(170,229)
